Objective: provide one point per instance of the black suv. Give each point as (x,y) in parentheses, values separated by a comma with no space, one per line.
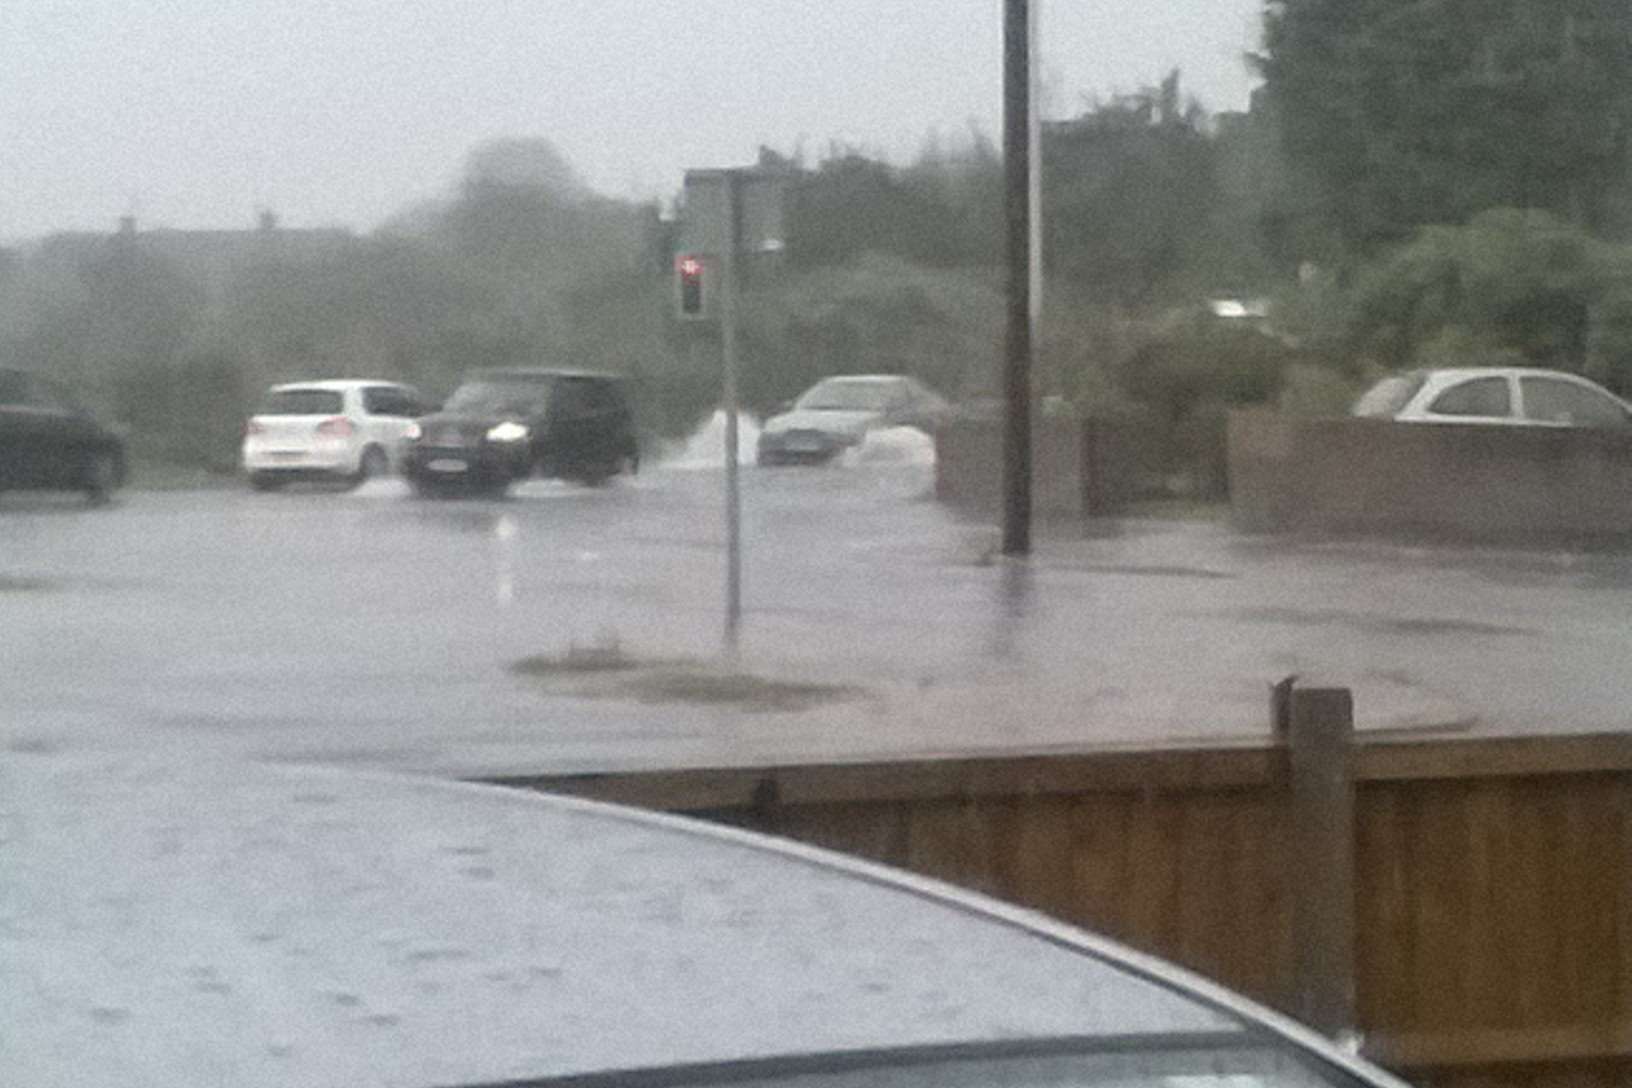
(48,442)
(505,425)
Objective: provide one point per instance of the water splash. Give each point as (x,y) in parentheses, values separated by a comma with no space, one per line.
(892,446)
(705,449)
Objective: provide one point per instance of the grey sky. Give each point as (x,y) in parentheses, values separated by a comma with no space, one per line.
(193,113)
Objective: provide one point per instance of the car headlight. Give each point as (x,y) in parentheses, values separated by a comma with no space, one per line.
(412,432)
(507,432)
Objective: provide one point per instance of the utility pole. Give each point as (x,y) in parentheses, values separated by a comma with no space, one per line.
(1017,95)
(1034,164)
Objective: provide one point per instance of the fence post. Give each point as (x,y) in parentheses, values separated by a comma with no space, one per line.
(1320,728)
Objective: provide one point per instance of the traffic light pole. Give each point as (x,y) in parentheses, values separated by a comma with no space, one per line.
(728,342)
(1017,93)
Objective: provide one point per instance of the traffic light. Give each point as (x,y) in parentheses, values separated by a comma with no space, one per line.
(691,287)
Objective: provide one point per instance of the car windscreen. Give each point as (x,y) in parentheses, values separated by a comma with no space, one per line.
(1385,399)
(500,398)
(302,402)
(847,396)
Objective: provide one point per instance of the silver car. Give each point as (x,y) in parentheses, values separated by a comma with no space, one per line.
(836,414)
(195,923)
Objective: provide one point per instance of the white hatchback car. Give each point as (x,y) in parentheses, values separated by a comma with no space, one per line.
(1507,396)
(346,430)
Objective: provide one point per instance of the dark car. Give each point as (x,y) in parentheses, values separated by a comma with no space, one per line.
(506,425)
(48,442)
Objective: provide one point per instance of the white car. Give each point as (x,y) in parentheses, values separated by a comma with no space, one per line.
(1506,396)
(347,430)
(837,413)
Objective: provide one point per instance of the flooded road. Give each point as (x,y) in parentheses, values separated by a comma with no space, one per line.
(569,628)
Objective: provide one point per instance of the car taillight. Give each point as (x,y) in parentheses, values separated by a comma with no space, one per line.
(339,427)
(252,427)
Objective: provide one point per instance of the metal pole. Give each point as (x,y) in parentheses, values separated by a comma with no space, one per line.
(728,340)
(1034,167)
(1017,206)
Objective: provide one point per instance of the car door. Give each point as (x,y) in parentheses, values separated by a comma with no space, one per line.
(74,437)
(923,408)
(1559,402)
(570,440)
(898,406)
(1485,399)
(48,438)
(607,421)
(17,425)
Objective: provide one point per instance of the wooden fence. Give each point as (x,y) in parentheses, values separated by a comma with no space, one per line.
(1465,904)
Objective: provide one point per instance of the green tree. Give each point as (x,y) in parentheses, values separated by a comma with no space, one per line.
(852,204)
(1411,112)
(386,307)
(1130,189)
(120,310)
(1510,286)
(876,314)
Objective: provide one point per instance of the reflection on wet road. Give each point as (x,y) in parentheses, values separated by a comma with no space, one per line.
(373,627)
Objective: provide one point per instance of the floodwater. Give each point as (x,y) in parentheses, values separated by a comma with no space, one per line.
(571,628)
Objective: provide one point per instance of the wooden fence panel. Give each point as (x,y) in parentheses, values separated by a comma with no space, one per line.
(1493,880)
(1492,904)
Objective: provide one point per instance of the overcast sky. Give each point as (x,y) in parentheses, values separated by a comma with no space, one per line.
(193,113)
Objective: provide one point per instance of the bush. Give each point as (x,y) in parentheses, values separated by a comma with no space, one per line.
(1512,286)
(1309,390)
(187,414)
(1205,361)
(880,315)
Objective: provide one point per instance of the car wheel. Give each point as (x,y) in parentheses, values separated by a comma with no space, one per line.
(102,476)
(264,481)
(372,466)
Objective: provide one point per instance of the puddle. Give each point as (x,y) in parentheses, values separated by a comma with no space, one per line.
(609,673)
(1370,621)
(1149,571)
(12,583)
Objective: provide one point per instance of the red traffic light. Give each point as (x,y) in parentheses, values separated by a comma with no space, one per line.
(690,278)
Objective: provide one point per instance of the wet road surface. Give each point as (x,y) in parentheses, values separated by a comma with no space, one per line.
(568,628)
